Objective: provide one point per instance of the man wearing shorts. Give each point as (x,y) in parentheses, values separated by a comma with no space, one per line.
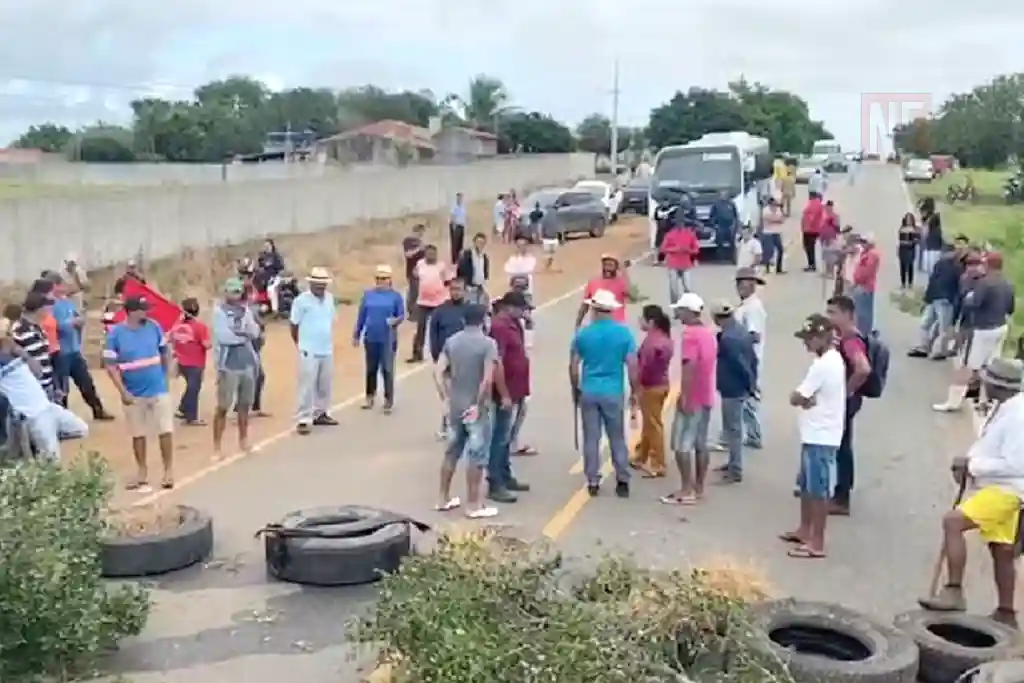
(137,361)
(821,400)
(994,466)
(697,390)
(235,331)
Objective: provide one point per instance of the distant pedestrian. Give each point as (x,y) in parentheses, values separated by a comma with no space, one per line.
(774,250)
(457,221)
(431,274)
(138,361)
(603,354)
(736,373)
(191,342)
(514,365)
(788,187)
(71,362)
(412,253)
(810,228)
(474,267)
(749,251)
(131,272)
(653,360)
(76,282)
(932,239)
(522,263)
(312,328)
(821,400)
(499,216)
(908,241)
(697,391)
(817,184)
(381,311)
(940,299)
(465,380)
(235,331)
(865,282)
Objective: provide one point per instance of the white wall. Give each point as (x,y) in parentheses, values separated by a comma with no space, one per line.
(111,227)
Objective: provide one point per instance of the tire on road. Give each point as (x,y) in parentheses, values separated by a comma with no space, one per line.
(159,553)
(821,642)
(337,546)
(1004,671)
(953,642)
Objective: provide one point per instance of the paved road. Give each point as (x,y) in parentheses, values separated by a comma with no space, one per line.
(225,621)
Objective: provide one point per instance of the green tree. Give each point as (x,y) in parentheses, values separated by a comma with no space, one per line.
(535,133)
(688,116)
(595,134)
(365,104)
(486,102)
(49,137)
(102,143)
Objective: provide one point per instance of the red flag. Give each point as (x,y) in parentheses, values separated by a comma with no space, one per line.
(162,311)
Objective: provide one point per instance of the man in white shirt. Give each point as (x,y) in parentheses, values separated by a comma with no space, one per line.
(994,466)
(753,316)
(821,398)
(749,251)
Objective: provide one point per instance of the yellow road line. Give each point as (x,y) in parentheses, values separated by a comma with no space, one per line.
(565,516)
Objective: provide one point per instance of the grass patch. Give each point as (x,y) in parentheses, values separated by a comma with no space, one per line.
(989,185)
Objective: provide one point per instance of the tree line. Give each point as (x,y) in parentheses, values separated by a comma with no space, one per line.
(982,128)
(233,116)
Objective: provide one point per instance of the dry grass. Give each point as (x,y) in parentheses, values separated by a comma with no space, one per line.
(144,520)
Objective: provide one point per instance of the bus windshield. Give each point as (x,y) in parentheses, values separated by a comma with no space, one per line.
(698,169)
(826,148)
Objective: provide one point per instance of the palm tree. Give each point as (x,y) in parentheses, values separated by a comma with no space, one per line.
(486,101)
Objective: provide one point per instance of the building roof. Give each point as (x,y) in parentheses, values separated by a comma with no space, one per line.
(399,131)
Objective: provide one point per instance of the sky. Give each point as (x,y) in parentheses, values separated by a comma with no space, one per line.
(862,65)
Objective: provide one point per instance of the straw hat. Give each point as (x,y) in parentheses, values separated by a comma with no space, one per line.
(1004,373)
(603,300)
(382,271)
(318,276)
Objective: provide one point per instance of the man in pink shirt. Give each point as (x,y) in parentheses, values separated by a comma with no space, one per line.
(865,280)
(810,229)
(612,279)
(681,249)
(697,391)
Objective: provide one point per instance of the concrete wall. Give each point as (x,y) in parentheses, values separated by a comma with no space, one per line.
(111,227)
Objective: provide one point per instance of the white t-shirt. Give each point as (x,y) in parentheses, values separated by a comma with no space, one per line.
(517,265)
(753,316)
(997,457)
(822,424)
(22,389)
(749,253)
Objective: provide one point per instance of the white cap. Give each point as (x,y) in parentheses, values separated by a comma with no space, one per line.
(383,270)
(690,302)
(604,300)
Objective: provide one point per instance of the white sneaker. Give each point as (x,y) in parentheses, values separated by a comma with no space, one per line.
(945,408)
(482,513)
(718,447)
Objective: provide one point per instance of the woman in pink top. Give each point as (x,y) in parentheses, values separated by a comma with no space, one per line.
(432,275)
(612,279)
(865,278)
(653,359)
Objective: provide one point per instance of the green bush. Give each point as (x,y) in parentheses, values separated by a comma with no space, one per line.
(478,609)
(56,614)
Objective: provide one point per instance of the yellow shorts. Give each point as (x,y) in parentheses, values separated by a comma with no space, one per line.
(996,512)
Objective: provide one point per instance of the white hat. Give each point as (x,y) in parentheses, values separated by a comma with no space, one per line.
(383,270)
(319,275)
(603,300)
(690,302)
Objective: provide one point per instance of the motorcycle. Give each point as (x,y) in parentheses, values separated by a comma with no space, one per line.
(284,287)
(956,193)
(1013,190)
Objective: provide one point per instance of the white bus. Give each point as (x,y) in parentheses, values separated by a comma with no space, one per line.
(737,163)
(823,149)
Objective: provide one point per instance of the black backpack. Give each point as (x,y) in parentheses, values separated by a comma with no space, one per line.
(878,358)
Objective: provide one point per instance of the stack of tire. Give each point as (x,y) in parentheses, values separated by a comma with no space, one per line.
(820,642)
(159,552)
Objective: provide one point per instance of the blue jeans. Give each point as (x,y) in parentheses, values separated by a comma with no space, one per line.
(188,406)
(470,440)
(499,463)
(815,477)
(752,422)
(864,302)
(936,324)
(732,432)
(772,250)
(517,424)
(607,414)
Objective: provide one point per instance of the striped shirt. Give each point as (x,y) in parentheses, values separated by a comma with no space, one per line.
(31,337)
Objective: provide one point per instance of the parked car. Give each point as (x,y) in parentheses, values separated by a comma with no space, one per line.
(943,163)
(635,196)
(573,212)
(919,171)
(805,168)
(610,196)
(835,163)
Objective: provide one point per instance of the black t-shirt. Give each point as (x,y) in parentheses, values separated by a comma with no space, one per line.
(933,232)
(536,215)
(408,244)
(908,237)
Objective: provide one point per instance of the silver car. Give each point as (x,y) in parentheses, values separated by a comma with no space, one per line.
(919,171)
(804,170)
(566,213)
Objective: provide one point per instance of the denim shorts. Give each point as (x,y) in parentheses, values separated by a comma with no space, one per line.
(690,431)
(815,477)
(470,440)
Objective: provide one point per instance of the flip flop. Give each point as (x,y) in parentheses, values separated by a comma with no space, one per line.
(167,484)
(790,537)
(452,504)
(673,499)
(647,474)
(526,450)
(804,553)
(140,486)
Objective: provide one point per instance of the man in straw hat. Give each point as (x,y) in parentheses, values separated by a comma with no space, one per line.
(235,331)
(994,466)
(600,352)
(613,280)
(46,421)
(312,327)
(381,310)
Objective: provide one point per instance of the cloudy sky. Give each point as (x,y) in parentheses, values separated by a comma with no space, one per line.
(76,63)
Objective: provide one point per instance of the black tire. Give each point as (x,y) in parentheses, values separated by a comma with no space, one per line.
(132,556)
(822,642)
(1008,671)
(953,642)
(364,544)
(599,228)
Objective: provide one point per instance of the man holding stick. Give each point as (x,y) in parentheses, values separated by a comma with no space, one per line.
(994,467)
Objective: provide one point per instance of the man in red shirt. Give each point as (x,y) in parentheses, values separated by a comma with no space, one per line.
(681,249)
(865,280)
(810,227)
(612,279)
(190,341)
(507,332)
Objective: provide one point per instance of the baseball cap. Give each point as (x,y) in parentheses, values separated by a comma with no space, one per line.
(815,324)
(690,302)
(136,303)
(722,309)
(234,285)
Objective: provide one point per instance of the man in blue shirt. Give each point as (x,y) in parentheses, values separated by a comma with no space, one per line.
(603,353)
(70,323)
(724,219)
(457,228)
(137,361)
(312,327)
(736,380)
(381,310)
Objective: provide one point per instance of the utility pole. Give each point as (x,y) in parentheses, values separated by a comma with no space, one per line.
(615,121)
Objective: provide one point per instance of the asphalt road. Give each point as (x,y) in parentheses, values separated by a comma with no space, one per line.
(226,621)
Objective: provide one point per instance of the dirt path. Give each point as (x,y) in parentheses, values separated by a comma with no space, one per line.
(352,271)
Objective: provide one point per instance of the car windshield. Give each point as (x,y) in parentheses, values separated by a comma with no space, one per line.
(698,170)
(919,164)
(593,190)
(544,197)
(825,148)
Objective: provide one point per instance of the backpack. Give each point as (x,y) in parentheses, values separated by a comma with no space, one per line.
(878,358)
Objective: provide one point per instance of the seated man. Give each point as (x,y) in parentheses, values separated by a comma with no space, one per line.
(47,422)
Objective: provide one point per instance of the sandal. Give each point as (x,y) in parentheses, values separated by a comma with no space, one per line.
(525,450)
(139,486)
(673,499)
(804,553)
(167,484)
(648,474)
(791,537)
(452,504)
